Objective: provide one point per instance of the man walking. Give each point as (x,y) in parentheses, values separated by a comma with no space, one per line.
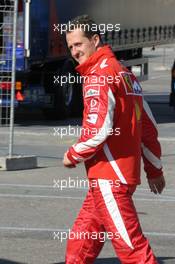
(118,129)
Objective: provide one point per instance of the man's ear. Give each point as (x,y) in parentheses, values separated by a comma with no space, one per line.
(96,40)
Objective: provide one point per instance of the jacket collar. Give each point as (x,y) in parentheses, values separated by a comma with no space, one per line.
(85,67)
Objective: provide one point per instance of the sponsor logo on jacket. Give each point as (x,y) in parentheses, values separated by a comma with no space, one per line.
(131,85)
(92,118)
(91,91)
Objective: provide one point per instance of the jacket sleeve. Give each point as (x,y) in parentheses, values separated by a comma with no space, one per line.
(151,149)
(99,105)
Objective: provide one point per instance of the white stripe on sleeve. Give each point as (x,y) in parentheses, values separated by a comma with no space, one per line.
(104,130)
(149,113)
(156,162)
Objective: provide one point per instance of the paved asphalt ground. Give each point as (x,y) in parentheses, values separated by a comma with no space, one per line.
(33,208)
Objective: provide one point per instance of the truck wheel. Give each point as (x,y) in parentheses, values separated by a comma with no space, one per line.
(69,93)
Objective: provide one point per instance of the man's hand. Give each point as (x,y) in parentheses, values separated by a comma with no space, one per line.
(157,184)
(67,163)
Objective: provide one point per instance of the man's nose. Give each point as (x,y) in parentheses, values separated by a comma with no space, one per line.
(74,51)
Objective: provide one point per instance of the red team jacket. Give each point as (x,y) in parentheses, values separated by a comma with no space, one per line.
(118,126)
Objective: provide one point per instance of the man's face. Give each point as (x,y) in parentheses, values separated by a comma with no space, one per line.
(80,46)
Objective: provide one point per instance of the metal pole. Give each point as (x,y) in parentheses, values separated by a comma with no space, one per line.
(11,136)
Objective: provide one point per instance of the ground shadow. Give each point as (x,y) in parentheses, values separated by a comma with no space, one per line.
(101,261)
(162,112)
(7,261)
(161,260)
(33,118)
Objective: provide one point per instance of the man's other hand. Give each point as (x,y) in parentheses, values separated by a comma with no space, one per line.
(67,163)
(157,184)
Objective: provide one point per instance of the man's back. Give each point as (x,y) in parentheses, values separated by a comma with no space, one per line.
(117,104)
(115,123)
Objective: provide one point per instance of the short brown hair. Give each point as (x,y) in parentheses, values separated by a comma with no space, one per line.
(86,24)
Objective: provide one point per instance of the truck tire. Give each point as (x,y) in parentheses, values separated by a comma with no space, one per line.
(68,100)
(67,96)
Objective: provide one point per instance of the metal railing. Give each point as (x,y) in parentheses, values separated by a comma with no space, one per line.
(8,22)
(140,37)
